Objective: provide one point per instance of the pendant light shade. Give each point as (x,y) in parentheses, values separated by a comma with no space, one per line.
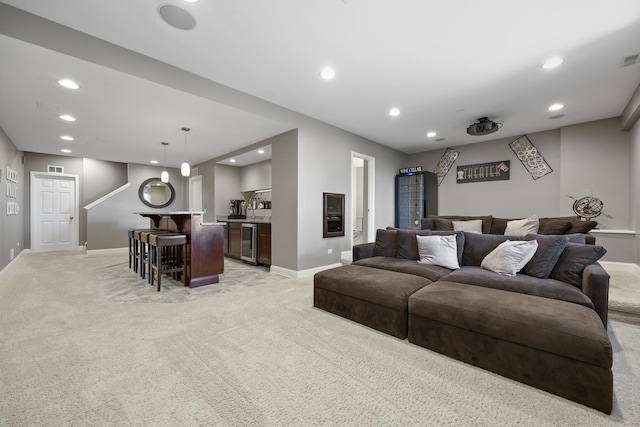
(164,176)
(185,169)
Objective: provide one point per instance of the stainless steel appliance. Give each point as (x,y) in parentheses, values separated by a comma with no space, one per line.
(248,243)
(236,209)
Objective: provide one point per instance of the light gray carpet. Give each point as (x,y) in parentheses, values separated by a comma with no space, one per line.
(85,342)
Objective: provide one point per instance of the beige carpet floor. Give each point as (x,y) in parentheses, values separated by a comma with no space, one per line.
(84,342)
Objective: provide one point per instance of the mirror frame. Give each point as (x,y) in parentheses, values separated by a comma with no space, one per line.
(151,205)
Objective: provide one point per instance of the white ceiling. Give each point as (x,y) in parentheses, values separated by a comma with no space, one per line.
(443,64)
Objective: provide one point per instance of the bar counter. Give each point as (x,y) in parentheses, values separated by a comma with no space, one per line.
(205,244)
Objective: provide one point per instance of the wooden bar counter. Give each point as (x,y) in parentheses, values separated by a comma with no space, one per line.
(205,244)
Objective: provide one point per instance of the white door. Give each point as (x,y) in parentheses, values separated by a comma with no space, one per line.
(195,193)
(54,212)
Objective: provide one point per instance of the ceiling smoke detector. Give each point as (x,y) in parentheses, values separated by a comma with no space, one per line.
(483,126)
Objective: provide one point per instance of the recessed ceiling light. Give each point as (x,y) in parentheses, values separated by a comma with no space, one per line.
(260,151)
(552,63)
(68,118)
(67,137)
(232,160)
(431,134)
(394,112)
(65,150)
(177,17)
(69,84)
(327,73)
(154,162)
(556,107)
(191,1)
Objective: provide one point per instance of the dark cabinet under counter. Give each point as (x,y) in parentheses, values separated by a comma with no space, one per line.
(261,242)
(264,244)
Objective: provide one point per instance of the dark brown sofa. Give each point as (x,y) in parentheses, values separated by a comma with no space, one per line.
(545,326)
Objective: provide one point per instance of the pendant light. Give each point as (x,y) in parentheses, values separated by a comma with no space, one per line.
(164,176)
(185,169)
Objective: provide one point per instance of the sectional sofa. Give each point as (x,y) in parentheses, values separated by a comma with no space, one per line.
(537,317)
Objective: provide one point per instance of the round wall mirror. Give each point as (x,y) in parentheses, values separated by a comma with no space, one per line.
(156,194)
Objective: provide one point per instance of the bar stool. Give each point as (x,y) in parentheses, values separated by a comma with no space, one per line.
(132,251)
(142,237)
(167,254)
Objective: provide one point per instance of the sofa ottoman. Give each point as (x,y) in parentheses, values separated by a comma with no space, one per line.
(556,346)
(370,296)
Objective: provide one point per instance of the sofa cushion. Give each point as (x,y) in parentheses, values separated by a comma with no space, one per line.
(368,284)
(408,266)
(509,257)
(579,226)
(574,258)
(438,250)
(471,226)
(478,246)
(407,245)
(549,250)
(521,283)
(522,227)
(553,226)
(385,243)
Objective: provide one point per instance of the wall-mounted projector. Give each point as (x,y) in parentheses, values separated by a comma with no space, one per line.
(483,126)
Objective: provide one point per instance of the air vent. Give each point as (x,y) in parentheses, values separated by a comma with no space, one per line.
(194,172)
(629,60)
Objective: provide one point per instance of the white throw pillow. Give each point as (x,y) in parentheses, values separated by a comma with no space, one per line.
(510,256)
(522,227)
(438,250)
(471,226)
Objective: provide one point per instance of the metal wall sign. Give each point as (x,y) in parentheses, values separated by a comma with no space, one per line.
(410,170)
(492,171)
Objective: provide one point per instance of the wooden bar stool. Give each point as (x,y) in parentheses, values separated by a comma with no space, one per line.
(144,251)
(132,251)
(167,254)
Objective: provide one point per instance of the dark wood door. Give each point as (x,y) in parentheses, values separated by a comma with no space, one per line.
(264,244)
(235,236)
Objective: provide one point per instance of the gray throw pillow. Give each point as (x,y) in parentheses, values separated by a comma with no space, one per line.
(478,246)
(385,243)
(549,250)
(574,258)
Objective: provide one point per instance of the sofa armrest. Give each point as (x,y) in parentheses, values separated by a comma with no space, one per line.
(364,250)
(590,239)
(595,285)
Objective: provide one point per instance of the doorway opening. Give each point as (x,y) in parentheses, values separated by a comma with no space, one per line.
(362,198)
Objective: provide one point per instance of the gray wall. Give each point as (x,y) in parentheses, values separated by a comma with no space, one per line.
(12,227)
(109,221)
(588,159)
(635,186)
(256,176)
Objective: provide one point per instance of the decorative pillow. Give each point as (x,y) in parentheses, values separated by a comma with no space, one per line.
(460,238)
(510,256)
(438,250)
(471,226)
(574,258)
(427,224)
(478,246)
(553,226)
(522,227)
(549,250)
(578,226)
(407,246)
(385,243)
(577,238)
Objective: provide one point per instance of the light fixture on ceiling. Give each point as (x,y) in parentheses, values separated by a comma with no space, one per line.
(232,160)
(69,84)
(552,63)
(394,112)
(260,151)
(66,150)
(185,169)
(68,118)
(431,134)
(164,176)
(556,107)
(327,73)
(67,137)
(177,17)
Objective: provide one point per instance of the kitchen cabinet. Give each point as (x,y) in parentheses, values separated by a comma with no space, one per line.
(264,244)
(235,239)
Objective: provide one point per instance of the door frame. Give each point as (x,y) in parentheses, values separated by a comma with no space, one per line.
(193,179)
(370,168)
(76,212)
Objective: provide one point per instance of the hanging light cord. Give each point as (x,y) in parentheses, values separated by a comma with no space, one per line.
(185,129)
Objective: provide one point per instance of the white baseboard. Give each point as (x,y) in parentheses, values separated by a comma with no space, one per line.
(625,267)
(14,258)
(302,273)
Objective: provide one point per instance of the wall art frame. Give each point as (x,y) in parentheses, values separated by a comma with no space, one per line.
(530,157)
